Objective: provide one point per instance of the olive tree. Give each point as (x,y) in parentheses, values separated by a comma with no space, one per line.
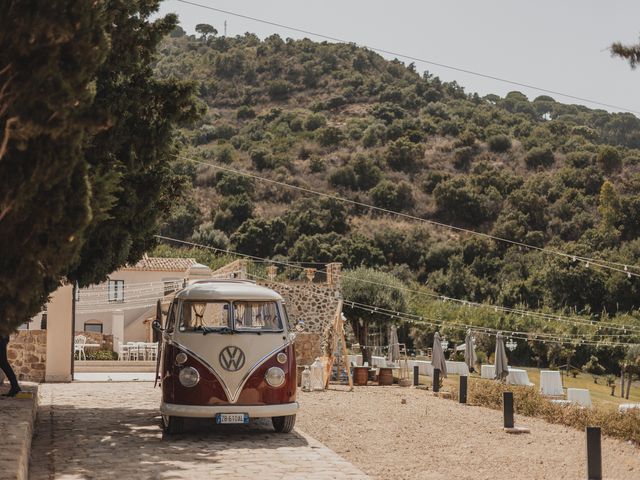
(370,287)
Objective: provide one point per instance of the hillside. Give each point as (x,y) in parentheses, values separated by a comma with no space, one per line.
(341,119)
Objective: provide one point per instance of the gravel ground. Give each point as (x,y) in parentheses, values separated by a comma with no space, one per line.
(432,438)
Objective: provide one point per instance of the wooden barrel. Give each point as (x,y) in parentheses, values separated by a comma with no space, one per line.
(360,375)
(385,377)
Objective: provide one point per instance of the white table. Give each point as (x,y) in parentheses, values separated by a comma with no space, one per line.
(518,377)
(625,407)
(378,361)
(423,366)
(453,368)
(551,383)
(581,396)
(488,371)
(357,359)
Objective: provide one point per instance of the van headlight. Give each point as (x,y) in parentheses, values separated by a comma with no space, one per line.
(189,377)
(181,358)
(274,376)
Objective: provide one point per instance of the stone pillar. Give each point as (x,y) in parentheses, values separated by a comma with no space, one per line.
(310,273)
(333,275)
(59,335)
(272,271)
(242,269)
(117,328)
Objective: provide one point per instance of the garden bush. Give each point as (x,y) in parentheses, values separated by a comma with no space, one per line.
(528,401)
(101,355)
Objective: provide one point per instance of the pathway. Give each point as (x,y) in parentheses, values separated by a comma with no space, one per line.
(111,430)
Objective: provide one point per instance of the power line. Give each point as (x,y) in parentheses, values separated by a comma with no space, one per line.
(543,316)
(544,337)
(605,264)
(412,58)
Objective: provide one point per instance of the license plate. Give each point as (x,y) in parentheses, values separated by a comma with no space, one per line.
(232,418)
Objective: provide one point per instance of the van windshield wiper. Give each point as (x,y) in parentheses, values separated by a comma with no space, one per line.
(222,330)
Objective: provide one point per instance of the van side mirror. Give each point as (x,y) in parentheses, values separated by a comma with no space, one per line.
(300,325)
(157,330)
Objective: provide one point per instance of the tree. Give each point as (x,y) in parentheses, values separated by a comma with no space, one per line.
(499,143)
(609,159)
(403,154)
(133,185)
(375,288)
(631,53)
(206,234)
(205,30)
(608,207)
(49,58)
(594,368)
(85,176)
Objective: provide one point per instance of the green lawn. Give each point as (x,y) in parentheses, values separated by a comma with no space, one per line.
(600,393)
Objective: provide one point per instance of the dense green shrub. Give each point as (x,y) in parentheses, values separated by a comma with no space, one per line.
(344,177)
(279,89)
(245,112)
(206,234)
(392,196)
(261,158)
(403,154)
(499,143)
(609,159)
(329,136)
(314,122)
(539,157)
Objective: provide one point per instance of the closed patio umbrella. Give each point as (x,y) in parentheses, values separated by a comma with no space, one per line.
(394,347)
(469,351)
(502,369)
(437,356)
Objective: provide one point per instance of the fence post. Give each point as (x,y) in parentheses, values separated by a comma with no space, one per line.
(594,454)
(463,388)
(507,405)
(416,375)
(436,379)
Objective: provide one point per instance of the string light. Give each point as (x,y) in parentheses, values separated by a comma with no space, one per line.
(605,264)
(540,315)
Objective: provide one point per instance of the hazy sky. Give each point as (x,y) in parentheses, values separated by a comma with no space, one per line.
(557,45)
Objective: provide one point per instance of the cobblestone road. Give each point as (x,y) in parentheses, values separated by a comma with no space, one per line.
(111,430)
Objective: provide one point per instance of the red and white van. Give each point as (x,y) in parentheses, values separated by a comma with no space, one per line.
(227,354)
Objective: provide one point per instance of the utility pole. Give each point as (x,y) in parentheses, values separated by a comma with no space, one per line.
(225,28)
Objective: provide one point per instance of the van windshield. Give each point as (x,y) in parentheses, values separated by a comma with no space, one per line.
(204,316)
(256,317)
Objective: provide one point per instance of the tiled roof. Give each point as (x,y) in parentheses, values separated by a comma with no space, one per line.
(162,264)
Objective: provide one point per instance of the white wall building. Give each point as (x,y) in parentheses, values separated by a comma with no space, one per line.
(124,305)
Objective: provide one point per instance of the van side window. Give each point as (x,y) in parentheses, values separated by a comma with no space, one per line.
(203,316)
(171,317)
(256,316)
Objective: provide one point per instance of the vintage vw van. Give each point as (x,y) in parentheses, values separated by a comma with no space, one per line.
(227,355)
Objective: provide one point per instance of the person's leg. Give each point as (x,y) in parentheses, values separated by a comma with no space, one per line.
(6,367)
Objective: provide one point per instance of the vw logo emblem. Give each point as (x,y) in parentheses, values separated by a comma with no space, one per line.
(231,358)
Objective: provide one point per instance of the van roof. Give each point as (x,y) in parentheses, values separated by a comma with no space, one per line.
(227,289)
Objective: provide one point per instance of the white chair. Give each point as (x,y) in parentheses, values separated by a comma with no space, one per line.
(78,346)
(134,353)
(152,351)
(123,352)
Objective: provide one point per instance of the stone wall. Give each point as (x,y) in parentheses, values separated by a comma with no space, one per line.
(104,340)
(28,354)
(313,303)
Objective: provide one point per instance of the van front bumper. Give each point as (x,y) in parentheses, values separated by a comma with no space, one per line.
(210,411)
